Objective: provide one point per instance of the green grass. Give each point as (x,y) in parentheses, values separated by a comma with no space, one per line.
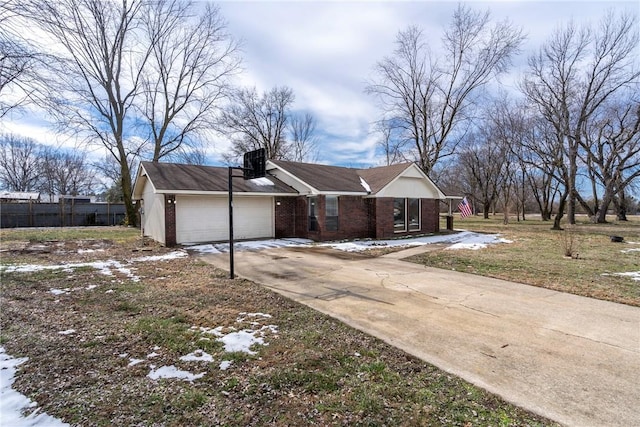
(117,234)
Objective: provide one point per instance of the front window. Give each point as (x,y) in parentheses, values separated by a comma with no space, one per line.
(413,214)
(406,215)
(399,215)
(331,213)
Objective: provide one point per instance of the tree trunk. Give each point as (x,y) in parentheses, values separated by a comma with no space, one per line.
(561,205)
(130,207)
(571,184)
(620,206)
(601,214)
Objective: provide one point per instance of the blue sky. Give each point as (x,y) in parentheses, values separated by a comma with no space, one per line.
(325,51)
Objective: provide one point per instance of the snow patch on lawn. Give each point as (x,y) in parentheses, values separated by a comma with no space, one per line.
(626,251)
(241,341)
(104,267)
(197,356)
(173,372)
(256,245)
(634,275)
(461,240)
(13,404)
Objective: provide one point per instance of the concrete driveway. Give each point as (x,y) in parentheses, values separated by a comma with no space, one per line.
(572,359)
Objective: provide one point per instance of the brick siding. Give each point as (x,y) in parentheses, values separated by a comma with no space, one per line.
(285,217)
(358,217)
(170,220)
(430,215)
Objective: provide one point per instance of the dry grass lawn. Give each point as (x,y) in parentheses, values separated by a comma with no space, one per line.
(536,256)
(312,370)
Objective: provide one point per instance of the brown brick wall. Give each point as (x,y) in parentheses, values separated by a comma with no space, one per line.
(285,217)
(170,220)
(291,217)
(430,215)
(301,217)
(384,218)
(358,218)
(353,219)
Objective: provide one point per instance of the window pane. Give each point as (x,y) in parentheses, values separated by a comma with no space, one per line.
(332,206)
(414,214)
(331,213)
(399,215)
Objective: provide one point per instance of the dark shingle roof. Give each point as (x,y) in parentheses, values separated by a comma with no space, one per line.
(379,177)
(324,177)
(341,179)
(176,177)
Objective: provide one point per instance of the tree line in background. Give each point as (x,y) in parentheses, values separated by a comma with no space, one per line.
(27,166)
(569,140)
(154,80)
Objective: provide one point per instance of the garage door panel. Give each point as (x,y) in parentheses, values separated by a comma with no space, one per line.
(206,219)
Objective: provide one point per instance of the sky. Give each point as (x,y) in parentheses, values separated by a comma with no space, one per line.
(326,50)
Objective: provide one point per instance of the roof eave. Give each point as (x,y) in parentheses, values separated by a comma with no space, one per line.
(223,193)
(312,189)
(340,193)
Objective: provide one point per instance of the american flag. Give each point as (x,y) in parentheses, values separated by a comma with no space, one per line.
(465,208)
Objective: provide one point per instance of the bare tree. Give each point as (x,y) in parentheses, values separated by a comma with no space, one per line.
(612,153)
(65,173)
(427,97)
(19,63)
(391,146)
(110,169)
(573,75)
(303,144)
(259,121)
(541,160)
(99,69)
(544,151)
(187,75)
(133,73)
(19,163)
(483,160)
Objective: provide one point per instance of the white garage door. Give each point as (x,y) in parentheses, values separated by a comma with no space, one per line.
(206,219)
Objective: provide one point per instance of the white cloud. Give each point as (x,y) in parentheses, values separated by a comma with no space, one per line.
(325,51)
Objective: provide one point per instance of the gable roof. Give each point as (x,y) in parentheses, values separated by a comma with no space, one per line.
(308,178)
(380,177)
(173,177)
(324,178)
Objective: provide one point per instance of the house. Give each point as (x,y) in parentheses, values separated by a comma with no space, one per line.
(19,196)
(189,203)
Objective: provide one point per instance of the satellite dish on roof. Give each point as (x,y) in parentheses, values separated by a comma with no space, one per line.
(255,164)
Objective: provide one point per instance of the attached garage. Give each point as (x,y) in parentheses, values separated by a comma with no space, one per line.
(189,203)
(203,218)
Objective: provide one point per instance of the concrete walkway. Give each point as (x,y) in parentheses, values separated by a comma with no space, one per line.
(572,359)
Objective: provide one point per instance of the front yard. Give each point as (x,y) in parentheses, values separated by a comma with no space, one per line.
(120,334)
(598,267)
